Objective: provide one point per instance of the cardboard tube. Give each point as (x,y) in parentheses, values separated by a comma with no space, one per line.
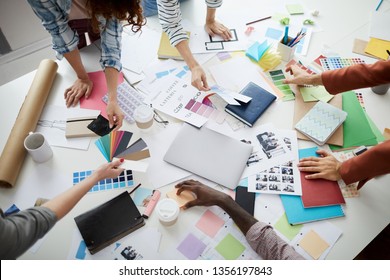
(14,152)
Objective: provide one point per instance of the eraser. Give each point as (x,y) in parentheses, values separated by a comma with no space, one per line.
(359,151)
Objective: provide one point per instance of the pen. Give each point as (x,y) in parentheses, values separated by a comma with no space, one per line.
(264,18)
(133,190)
(379,4)
(285,35)
(293,40)
(298,39)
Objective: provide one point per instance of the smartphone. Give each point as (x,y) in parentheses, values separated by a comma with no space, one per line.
(246,199)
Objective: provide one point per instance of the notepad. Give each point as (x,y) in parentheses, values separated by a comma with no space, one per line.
(297,214)
(318,192)
(321,122)
(249,112)
(109,222)
(166,50)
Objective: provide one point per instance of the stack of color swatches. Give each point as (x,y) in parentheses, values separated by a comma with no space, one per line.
(115,144)
(278,77)
(205,109)
(125,179)
(332,63)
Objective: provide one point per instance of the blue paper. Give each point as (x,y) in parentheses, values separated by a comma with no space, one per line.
(257,50)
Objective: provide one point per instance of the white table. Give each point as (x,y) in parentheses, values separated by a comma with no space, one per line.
(364,217)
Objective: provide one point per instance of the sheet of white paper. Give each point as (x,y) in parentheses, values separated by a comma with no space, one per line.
(52,124)
(173,99)
(161,173)
(269,149)
(379,26)
(134,165)
(283,178)
(135,56)
(120,250)
(236,73)
(201,42)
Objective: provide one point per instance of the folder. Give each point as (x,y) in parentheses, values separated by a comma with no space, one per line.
(109,222)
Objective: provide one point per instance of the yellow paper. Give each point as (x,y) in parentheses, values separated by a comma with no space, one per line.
(181,199)
(313,244)
(378,48)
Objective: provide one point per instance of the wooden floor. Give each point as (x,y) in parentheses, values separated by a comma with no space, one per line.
(378,249)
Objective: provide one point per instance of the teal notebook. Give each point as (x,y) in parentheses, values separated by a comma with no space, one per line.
(297,214)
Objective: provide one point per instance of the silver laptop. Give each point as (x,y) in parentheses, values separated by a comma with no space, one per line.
(209,154)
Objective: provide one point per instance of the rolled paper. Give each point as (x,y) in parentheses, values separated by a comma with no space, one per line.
(13,154)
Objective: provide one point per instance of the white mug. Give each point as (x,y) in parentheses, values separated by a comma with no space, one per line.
(37,146)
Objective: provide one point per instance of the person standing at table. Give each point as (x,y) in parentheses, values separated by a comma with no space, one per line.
(367,165)
(19,231)
(170,17)
(260,236)
(65,20)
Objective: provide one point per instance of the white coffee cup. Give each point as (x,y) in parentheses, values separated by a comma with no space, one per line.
(168,211)
(37,146)
(143,116)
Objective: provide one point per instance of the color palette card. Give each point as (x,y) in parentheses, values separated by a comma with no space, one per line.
(115,144)
(332,63)
(125,179)
(277,77)
(128,100)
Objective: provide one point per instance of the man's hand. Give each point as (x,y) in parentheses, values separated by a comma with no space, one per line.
(205,196)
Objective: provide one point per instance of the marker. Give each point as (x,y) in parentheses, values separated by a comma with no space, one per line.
(285,35)
(379,4)
(152,203)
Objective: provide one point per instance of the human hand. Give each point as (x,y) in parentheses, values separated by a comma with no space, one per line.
(214,27)
(205,196)
(114,114)
(80,87)
(301,77)
(326,167)
(198,79)
(108,170)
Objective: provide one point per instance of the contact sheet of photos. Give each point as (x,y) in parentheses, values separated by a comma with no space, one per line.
(283,178)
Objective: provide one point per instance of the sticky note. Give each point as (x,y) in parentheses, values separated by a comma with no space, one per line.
(210,223)
(191,247)
(313,244)
(181,199)
(295,9)
(284,227)
(230,248)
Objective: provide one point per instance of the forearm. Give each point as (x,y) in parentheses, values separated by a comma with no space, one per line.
(210,15)
(64,202)
(187,55)
(112,76)
(243,219)
(74,60)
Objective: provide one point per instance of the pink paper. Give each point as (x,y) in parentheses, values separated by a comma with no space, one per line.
(210,223)
(99,89)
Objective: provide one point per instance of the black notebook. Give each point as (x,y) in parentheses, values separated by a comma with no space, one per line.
(109,222)
(251,111)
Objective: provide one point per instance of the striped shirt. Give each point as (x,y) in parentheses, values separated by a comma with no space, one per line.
(170,18)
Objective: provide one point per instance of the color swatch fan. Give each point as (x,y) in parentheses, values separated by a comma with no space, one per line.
(116,144)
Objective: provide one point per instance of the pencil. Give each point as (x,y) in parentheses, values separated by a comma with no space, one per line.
(133,190)
(259,20)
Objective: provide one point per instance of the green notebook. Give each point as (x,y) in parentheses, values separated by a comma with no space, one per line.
(357,128)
